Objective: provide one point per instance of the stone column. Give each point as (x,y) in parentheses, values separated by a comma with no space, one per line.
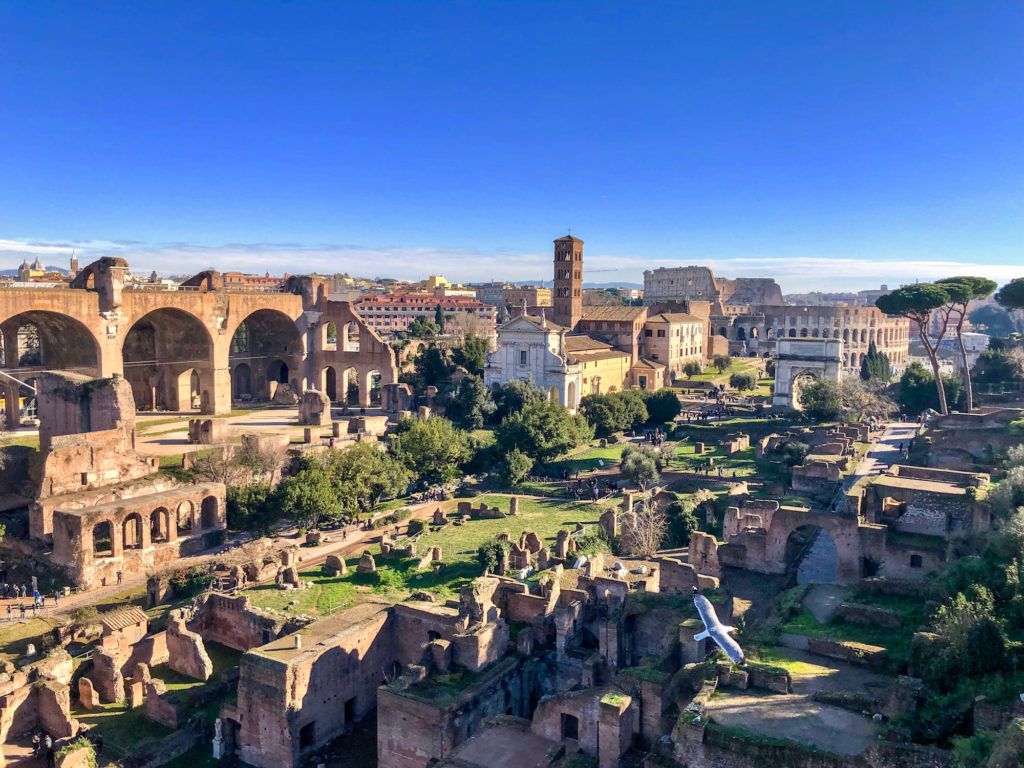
(13,414)
(365,380)
(117,538)
(614,729)
(172,525)
(691,651)
(218,384)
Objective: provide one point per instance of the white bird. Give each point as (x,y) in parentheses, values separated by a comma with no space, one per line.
(717,631)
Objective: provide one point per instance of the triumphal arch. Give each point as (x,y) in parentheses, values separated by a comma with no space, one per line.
(799,358)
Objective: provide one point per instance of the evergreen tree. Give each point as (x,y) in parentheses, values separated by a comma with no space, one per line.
(875,365)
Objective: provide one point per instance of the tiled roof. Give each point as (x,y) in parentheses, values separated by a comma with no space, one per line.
(613,313)
(123,617)
(600,354)
(675,317)
(643,362)
(580,342)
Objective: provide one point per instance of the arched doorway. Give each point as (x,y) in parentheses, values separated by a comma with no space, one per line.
(350,381)
(241,382)
(158,528)
(103,539)
(330,383)
(811,555)
(269,344)
(50,340)
(184,518)
(208,513)
(159,349)
(132,531)
(800,380)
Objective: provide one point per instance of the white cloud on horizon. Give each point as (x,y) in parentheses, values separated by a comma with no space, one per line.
(794,274)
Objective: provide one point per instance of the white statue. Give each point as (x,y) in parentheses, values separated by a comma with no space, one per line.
(217,728)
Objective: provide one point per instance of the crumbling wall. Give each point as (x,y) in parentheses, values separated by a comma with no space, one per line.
(185,649)
(232,621)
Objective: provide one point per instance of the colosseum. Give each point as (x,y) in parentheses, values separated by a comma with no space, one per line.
(755,332)
(198,346)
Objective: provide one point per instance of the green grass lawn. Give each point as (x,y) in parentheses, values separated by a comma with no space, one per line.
(396,579)
(742,464)
(778,657)
(896,641)
(591,459)
(544,516)
(712,374)
(31,441)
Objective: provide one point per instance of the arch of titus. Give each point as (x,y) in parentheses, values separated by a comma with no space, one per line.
(818,358)
(194,346)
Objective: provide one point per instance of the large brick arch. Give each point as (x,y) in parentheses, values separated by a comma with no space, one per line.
(160,351)
(845,532)
(102,309)
(265,343)
(65,342)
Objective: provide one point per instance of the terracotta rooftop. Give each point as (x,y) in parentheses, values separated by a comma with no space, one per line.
(599,354)
(581,342)
(615,314)
(675,317)
(123,617)
(643,362)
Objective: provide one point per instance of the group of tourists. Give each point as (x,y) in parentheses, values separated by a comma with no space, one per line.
(15,593)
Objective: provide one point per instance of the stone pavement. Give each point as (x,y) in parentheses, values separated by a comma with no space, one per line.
(885,451)
(797,716)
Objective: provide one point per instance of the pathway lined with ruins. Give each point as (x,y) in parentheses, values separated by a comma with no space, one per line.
(354,543)
(885,450)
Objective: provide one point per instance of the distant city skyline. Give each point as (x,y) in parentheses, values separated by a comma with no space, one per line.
(831,146)
(796,275)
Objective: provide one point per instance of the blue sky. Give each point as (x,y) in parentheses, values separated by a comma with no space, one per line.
(831,144)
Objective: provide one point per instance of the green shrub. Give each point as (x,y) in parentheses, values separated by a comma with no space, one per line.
(490,554)
(81,743)
(189,581)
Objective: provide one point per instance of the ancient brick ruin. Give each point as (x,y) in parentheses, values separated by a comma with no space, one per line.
(100,503)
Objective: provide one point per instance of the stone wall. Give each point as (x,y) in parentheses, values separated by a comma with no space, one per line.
(413,726)
(232,621)
(712,747)
(292,700)
(186,651)
(188,518)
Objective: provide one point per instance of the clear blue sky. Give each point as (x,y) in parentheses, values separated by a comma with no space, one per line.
(834,144)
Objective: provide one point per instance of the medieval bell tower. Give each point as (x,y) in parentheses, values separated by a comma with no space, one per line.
(567,293)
